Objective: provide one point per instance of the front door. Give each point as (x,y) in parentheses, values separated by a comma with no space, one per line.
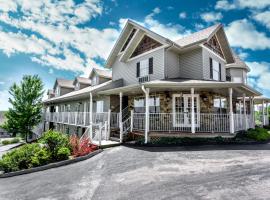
(182,110)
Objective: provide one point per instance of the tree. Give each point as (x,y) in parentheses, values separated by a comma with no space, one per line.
(26,110)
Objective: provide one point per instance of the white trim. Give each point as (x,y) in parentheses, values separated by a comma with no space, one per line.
(127,39)
(145,53)
(185,96)
(206,48)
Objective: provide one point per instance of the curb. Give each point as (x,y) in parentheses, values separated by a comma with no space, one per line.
(51,165)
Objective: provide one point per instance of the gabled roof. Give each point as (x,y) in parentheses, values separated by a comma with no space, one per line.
(198,37)
(64,83)
(101,73)
(50,91)
(193,40)
(82,80)
(141,31)
(238,63)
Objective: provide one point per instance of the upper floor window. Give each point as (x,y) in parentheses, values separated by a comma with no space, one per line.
(215,70)
(145,67)
(94,80)
(57,91)
(77,86)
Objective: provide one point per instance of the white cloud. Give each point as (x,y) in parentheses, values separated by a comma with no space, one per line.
(56,33)
(242,33)
(263,18)
(182,15)
(2,82)
(156,10)
(7,6)
(224,5)
(211,16)
(171,31)
(259,75)
(242,4)
(4,104)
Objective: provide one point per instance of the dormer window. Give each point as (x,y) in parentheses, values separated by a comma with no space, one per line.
(128,40)
(77,86)
(94,80)
(57,91)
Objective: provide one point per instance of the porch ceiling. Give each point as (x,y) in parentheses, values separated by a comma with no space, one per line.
(199,85)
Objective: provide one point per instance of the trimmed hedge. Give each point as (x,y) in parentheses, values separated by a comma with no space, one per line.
(55,147)
(258,134)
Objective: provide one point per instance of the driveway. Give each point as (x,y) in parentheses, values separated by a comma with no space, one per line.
(210,172)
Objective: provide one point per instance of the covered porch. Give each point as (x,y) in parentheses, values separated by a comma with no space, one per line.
(192,107)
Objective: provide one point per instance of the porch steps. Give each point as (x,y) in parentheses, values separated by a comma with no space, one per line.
(116,139)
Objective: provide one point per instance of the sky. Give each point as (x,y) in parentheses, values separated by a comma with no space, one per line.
(64,39)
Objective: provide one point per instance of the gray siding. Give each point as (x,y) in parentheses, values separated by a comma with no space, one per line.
(172,65)
(127,71)
(206,65)
(191,64)
(65,90)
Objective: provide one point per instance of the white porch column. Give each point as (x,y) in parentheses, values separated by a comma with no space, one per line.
(251,111)
(84,113)
(267,114)
(245,111)
(109,124)
(120,116)
(192,111)
(131,120)
(146,92)
(241,114)
(231,111)
(91,115)
(263,110)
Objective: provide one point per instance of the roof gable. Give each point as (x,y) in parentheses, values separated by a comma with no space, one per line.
(63,83)
(101,73)
(133,41)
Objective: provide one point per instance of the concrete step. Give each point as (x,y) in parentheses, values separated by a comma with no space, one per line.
(116,139)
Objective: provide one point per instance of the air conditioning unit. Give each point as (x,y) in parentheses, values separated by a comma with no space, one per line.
(144,79)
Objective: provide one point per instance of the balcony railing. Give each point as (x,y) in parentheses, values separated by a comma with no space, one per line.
(81,118)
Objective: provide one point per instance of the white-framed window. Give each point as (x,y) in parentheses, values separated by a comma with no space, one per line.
(77,86)
(57,91)
(94,80)
(216,72)
(100,106)
(154,104)
(144,68)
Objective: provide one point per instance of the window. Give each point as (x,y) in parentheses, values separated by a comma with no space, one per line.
(77,86)
(154,104)
(99,106)
(94,80)
(57,91)
(145,67)
(215,70)
(220,104)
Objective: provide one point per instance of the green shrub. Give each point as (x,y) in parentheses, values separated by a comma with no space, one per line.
(14,140)
(258,134)
(6,142)
(63,153)
(25,157)
(54,141)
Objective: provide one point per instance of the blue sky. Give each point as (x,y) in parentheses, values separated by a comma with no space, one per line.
(67,38)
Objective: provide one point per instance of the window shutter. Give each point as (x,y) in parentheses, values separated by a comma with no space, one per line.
(211,68)
(219,71)
(150,65)
(138,69)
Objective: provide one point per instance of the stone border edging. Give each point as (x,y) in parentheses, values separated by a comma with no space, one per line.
(51,165)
